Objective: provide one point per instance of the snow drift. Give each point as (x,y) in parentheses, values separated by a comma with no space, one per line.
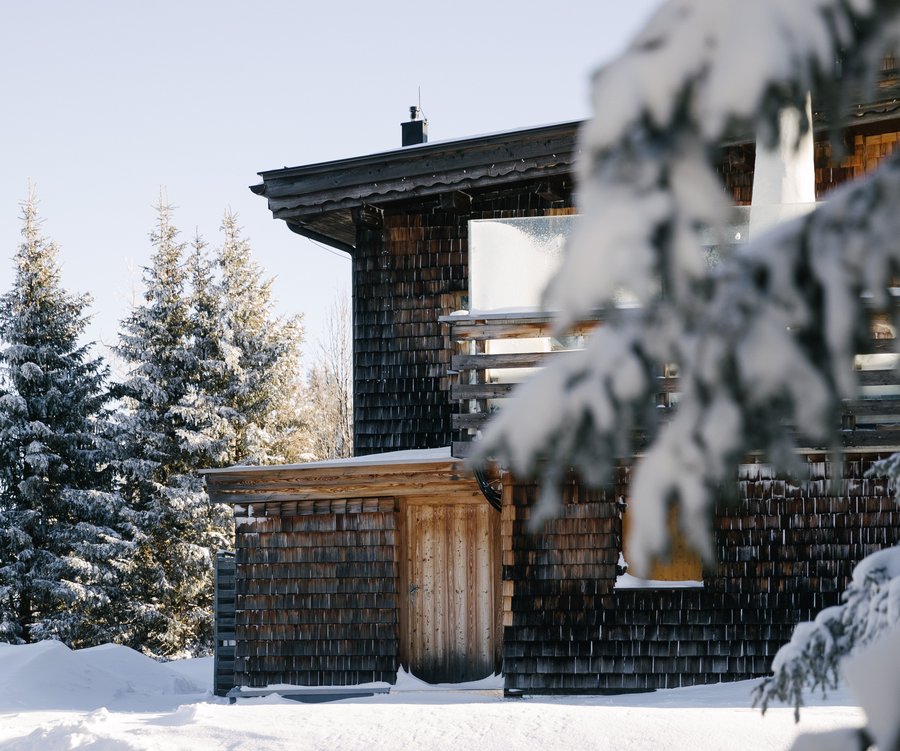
(49,675)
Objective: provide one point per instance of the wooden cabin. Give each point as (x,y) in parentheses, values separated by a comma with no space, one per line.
(346,570)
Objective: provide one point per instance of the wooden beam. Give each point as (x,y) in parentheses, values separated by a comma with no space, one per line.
(337,492)
(461,391)
(552,191)
(878,377)
(506,360)
(881,347)
(887,438)
(473,420)
(278,485)
(511,327)
(873,406)
(462,449)
(368,216)
(304,231)
(458,201)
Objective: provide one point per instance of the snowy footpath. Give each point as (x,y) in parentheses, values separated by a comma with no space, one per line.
(110,698)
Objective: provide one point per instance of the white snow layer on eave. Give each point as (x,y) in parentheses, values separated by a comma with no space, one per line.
(501,312)
(414,456)
(522,311)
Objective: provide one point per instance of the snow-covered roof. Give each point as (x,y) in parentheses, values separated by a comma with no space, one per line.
(425,472)
(422,149)
(415,456)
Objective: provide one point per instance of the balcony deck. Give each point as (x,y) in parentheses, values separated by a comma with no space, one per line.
(495,351)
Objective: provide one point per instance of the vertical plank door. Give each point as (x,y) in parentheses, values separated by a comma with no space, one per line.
(450,588)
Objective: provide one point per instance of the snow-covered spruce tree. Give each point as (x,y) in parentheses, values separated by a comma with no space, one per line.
(328,398)
(263,392)
(170,426)
(209,421)
(210,362)
(63,539)
(764,341)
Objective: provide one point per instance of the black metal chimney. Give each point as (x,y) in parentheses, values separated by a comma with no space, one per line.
(416,130)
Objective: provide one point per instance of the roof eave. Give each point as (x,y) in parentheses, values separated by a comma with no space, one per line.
(318,200)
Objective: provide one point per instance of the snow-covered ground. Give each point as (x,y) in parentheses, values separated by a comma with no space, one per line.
(112,698)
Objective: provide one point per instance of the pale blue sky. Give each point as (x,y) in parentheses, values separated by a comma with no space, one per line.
(104,102)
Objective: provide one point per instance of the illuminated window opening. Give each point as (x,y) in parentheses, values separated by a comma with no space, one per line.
(683,568)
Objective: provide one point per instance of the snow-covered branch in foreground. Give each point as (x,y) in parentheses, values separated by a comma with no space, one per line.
(698,73)
(812,659)
(770,354)
(766,340)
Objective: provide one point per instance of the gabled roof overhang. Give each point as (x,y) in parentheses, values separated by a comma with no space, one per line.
(323,201)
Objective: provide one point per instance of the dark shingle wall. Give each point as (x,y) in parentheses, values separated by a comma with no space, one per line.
(316,598)
(406,275)
(785,552)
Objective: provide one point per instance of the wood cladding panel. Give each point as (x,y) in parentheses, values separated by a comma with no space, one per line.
(785,551)
(316,597)
(280,492)
(224,638)
(451,577)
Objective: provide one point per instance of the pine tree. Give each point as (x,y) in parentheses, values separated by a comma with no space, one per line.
(63,537)
(170,427)
(757,368)
(212,381)
(264,390)
(210,360)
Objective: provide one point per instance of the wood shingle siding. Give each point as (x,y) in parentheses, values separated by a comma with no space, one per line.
(316,600)
(785,552)
(407,274)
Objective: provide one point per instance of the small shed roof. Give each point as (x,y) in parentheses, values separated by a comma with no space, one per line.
(413,456)
(393,474)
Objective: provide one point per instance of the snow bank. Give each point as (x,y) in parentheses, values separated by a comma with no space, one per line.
(49,675)
(406,682)
(628,581)
(113,699)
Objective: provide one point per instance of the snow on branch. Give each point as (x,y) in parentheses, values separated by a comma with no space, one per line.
(765,341)
(700,72)
(812,658)
(770,354)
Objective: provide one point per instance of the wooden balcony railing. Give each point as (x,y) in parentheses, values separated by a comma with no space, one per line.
(493,352)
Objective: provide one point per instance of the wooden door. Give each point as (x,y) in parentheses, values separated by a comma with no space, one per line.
(450,582)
